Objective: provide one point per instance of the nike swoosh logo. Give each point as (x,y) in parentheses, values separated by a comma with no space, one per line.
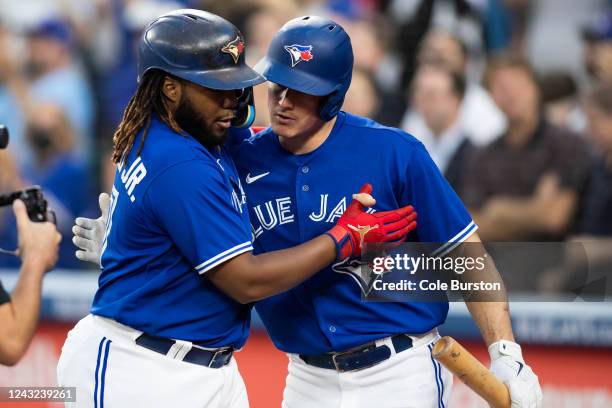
(520,367)
(253,179)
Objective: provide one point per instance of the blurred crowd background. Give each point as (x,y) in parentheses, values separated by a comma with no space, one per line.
(512,98)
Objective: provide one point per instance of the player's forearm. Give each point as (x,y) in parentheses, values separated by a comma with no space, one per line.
(249,278)
(20,316)
(492,319)
(489,310)
(281,270)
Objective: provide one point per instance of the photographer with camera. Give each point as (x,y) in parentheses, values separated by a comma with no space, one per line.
(38,244)
(38,248)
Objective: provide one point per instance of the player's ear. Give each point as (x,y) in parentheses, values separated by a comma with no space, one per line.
(172,89)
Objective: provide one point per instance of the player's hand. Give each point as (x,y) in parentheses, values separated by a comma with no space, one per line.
(38,241)
(356,227)
(89,233)
(508,365)
(245,112)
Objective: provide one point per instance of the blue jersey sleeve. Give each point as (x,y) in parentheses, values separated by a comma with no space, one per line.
(193,202)
(442,217)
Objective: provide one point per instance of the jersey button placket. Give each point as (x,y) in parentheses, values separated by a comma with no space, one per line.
(303,170)
(302,188)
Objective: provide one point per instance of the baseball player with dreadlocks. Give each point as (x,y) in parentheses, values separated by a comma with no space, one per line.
(178,274)
(343,351)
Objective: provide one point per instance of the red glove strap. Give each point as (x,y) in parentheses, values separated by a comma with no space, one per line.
(344,243)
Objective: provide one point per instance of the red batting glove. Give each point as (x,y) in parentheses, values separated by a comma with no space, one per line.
(356,227)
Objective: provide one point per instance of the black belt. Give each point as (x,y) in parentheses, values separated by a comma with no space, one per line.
(209,358)
(364,356)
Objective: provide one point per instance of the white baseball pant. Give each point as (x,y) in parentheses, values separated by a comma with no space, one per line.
(109,370)
(409,379)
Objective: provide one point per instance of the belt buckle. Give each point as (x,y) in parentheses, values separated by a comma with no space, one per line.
(215,354)
(359,349)
(333,356)
(343,353)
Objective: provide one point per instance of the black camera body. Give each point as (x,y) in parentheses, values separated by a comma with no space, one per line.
(32,197)
(34,200)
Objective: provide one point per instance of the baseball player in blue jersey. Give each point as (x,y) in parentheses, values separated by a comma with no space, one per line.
(298,175)
(178,274)
(345,352)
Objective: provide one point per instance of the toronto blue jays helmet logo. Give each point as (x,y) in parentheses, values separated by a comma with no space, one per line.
(299,53)
(234,48)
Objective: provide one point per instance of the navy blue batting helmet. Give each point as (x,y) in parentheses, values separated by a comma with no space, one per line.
(199,47)
(312,55)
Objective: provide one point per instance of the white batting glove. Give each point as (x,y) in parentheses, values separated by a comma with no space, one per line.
(508,365)
(89,233)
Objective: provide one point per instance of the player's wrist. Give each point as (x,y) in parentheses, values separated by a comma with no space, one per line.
(342,239)
(505,348)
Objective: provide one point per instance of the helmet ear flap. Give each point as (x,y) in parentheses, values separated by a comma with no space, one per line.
(333,102)
(329,107)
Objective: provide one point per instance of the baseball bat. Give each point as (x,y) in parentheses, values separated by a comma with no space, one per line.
(471,372)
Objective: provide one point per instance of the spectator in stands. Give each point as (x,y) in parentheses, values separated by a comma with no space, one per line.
(596,214)
(373,53)
(64,177)
(112,47)
(260,28)
(479,116)
(587,255)
(362,97)
(56,78)
(561,100)
(38,244)
(484,25)
(10,115)
(598,47)
(561,93)
(49,73)
(525,186)
(437,93)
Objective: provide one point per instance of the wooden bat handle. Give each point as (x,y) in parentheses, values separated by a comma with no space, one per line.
(471,372)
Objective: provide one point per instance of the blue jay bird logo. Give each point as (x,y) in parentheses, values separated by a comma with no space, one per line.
(234,48)
(359,271)
(299,53)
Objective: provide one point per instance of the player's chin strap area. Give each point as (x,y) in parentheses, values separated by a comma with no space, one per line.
(7,252)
